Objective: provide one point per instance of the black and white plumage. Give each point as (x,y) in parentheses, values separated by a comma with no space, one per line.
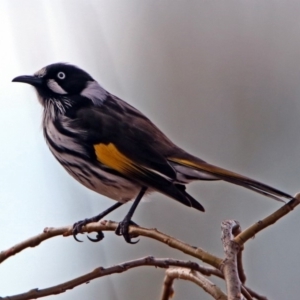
(113,149)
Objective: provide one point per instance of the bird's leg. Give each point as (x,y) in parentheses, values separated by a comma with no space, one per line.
(123,227)
(78,225)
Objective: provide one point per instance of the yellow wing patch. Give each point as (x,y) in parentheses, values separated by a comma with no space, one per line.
(110,156)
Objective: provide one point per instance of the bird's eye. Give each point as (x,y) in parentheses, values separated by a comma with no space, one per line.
(61,75)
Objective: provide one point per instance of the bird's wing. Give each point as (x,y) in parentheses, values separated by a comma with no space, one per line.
(190,162)
(124,140)
(130,132)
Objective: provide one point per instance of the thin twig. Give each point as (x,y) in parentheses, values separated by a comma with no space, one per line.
(111,226)
(34,241)
(255,295)
(231,250)
(251,231)
(196,277)
(246,293)
(100,272)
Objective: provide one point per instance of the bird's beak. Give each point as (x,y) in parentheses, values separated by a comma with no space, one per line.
(32,80)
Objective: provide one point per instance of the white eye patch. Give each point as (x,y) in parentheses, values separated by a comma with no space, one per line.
(55,87)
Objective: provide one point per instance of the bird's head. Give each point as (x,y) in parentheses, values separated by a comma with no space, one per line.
(64,84)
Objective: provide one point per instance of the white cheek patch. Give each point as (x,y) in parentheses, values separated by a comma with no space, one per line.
(94,92)
(55,87)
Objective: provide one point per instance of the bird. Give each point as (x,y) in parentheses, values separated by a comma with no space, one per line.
(115,150)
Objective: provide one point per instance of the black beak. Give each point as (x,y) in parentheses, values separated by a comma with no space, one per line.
(32,80)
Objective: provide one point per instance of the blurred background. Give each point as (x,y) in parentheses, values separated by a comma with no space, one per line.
(220,78)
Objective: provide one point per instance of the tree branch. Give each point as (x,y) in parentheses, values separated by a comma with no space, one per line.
(250,232)
(167,290)
(34,241)
(240,266)
(100,272)
(255,295)
(196,277)
(50,232)
(246,293)
(197,252)
(230,270)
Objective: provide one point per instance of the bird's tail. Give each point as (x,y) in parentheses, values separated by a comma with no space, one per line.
(194,168)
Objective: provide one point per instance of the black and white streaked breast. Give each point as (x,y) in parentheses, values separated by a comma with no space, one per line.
(61,139)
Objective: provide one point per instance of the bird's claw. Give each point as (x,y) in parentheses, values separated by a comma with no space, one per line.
(123,229)
(99,237)
(77,227)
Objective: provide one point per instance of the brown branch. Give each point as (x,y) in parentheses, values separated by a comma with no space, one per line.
(251,231)
(240,268)
(167,291)
(33,241)
(229,267)
(111,226)
(204,283)
(197,252)
(246,293)
(100,272)
(255,295)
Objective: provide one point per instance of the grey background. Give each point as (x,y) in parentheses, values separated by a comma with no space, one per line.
(221,78)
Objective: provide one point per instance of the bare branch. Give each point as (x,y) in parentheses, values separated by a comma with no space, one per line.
(33,241)
(100,272)
(197,252)
(246,293)
(196,277)
(250,232)
(155,234)
(255,295)
(240,266)
(229,267)
(167,291)
(111,226)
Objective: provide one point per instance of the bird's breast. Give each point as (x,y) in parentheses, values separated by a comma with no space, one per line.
(72,155)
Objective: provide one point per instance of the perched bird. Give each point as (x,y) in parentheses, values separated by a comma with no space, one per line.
(113,149)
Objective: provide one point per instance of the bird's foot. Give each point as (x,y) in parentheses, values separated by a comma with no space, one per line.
(77,227)
(123,229)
